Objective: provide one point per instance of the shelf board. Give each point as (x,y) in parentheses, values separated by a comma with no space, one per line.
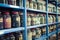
(52,33)
(52,13)
(35,10)
(58,22)
(35,26)
(44,36)
(10,7)
(59,30)
(58,14)
(52,23)
(5,31)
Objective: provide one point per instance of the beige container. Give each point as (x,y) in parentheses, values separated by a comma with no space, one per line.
(54,27)
(59,18)
(39,0)
(28,19)
(44,30)
(41,5)
(29,35)
(34,5)
(27,4)
(49,19)
(42,20)
(31,4)
(51,28)
(54,19)
(58,10)
(33,33)
(37,19)
(50,7)
(20,36)
(38,32)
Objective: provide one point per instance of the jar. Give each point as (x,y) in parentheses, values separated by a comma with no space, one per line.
(34,5)
(51,19)
(21,3)
(21,18)
(6,20)
(38,32)
(11,36)
(54,27)
(31,4)
(4,1)
(44,8)
(12,2)
(20,36)
(54,19)
(7,37)
(38,19)
(1,21)
(40,6)
(27,3)
(28,20)
(43,30)
(42,19)
(33,34)
(29,35)
(33,18)
(15,19)
(51,28)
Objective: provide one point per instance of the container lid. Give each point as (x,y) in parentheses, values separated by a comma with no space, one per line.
(14,12)
(6,12)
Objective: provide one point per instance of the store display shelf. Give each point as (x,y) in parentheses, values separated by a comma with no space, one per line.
(52,33)
(58,22)
(58,29)
(58,14)
(11,7)
(35,10)
(52,23)
(5,31)
(52,13)
(35,26)
(44,36)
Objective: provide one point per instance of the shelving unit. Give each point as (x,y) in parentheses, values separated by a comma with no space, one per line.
(24,9)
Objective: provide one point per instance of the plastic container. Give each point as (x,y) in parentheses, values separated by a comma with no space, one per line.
(29,35)
(6,20)
(12,2)
(15,19)
(1,21)
(28,20)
